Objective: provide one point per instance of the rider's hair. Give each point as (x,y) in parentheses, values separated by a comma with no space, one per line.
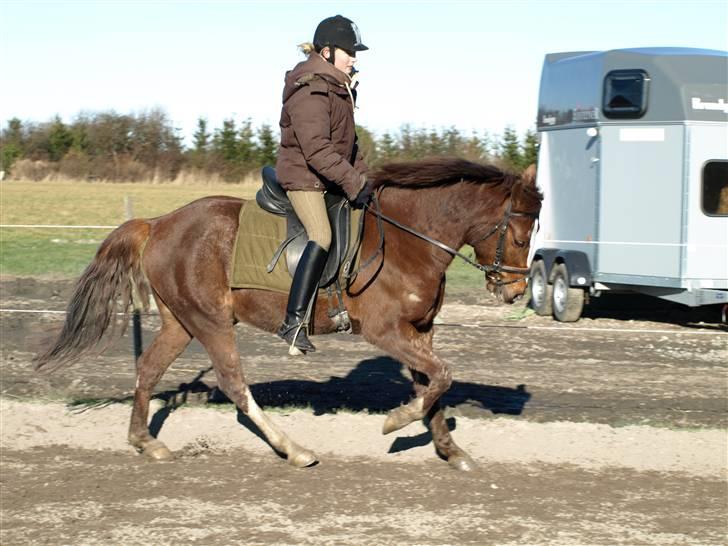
(307,48)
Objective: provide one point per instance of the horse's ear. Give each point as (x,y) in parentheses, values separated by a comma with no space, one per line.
(529,175)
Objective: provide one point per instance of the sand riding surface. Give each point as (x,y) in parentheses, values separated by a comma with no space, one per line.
(608,431)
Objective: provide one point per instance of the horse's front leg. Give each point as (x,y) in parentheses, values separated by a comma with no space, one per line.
(414,349)
(435,420)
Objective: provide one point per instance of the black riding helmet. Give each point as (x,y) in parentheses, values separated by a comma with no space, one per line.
(338,31)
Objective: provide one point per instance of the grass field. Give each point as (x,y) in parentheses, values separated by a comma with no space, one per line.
(65,252)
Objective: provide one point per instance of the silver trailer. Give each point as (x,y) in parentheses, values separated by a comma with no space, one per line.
(633,163)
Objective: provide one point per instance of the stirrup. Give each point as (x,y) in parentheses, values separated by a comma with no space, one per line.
(296,338)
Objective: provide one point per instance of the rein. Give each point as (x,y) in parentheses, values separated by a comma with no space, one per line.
(501,228)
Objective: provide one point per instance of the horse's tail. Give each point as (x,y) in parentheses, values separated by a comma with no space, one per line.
(104,290)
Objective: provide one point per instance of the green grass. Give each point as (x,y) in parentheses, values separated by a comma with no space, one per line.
(96,203)
(59,253)
(462,275)
(64,253)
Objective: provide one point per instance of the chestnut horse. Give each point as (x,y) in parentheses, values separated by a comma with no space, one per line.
(184,260)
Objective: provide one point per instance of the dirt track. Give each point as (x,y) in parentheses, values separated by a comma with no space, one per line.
(611,431)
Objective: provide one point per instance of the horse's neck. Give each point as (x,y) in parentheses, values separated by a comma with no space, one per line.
(444,213)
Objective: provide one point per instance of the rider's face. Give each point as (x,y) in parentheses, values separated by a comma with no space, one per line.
(343,60)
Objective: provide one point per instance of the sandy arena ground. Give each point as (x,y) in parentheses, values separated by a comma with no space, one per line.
(608,431)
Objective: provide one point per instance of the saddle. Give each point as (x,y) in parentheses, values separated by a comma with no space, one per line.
(272,198)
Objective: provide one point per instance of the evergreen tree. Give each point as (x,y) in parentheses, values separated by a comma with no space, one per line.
(79,133)
(11,144)
(266,151)
(60,139)
(386,148)
(226,142)
(406,139)
(510,149)
(366,144)
(201,137)
(530,149)
(432,144)
(246,146)
(474,148)
(488,146)
(453,143)
(200,144)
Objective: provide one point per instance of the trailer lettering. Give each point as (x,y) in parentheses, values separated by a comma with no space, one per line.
(721,105)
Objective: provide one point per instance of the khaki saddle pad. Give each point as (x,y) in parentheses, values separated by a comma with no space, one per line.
(260,233)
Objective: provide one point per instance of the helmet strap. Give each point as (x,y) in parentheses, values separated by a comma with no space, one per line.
(332,53)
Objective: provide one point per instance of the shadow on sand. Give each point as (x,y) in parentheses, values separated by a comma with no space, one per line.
(376,385)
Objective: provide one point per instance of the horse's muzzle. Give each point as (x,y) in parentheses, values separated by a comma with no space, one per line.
(506,290)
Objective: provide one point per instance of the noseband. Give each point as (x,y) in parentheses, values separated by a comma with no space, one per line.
(492,271)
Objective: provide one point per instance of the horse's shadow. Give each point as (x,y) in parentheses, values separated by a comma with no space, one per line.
(376,385)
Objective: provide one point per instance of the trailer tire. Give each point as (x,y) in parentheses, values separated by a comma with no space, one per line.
(567,302)
(541,290)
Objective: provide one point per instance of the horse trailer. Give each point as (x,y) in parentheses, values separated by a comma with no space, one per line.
(633,163)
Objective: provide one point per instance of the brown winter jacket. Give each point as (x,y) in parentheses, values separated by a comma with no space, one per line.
(318,136)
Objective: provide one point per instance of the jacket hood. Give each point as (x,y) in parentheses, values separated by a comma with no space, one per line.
(314,65)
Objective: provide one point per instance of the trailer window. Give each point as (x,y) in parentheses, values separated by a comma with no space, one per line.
(625,93)
(715,188)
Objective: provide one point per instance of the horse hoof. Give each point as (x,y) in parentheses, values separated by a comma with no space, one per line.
(393,422)
(397,419)
(462,463)
(403,416)
(294,351)
(157,451)
(302,459)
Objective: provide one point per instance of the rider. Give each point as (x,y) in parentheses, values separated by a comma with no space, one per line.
(318,151)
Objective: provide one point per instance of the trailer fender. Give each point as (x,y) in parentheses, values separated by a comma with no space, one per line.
(577,264)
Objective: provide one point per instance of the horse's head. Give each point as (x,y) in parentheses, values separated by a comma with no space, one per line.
(504,247)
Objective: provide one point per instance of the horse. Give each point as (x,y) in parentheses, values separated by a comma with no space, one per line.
(424,211)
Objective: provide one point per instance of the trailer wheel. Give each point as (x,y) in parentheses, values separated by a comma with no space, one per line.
(568,302)
(541,290)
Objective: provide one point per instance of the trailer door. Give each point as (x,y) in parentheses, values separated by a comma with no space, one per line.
(641,204)
(567,174)
(705,260)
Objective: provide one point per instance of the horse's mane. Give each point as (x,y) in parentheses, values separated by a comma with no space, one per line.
(438,171)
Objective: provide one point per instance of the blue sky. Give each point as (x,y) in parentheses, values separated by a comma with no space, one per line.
(475,65)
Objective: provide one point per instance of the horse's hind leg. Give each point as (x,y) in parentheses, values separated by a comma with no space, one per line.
(154,361)
(223,352)
(445,446)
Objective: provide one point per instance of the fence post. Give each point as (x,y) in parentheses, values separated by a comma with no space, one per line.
(136,317)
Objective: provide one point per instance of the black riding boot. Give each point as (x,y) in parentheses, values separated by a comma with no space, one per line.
(303,289)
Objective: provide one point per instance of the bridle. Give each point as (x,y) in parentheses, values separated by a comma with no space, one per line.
(492,271)
(501,228)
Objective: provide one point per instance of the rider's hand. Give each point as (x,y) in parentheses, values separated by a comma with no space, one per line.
(364,194)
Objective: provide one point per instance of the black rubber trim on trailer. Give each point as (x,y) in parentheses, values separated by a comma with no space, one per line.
(577,263)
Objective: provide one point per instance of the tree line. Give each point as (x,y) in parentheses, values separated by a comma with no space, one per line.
(146,146)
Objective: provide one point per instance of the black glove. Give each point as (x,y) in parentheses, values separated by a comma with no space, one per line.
(364,195)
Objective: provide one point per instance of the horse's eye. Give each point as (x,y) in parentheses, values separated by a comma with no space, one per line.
(520,244)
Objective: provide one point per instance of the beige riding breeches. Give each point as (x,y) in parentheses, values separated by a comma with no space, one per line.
(311,210)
